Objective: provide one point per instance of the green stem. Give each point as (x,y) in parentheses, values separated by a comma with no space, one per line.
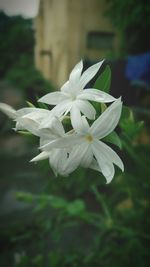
(101,201)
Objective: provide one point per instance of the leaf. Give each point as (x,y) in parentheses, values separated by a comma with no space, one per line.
(58,203)
(131,128)
(104,80)
(127,114)
(30,104)
(40,104)
(103,107)
(113,138)
(24,132)
(76,207)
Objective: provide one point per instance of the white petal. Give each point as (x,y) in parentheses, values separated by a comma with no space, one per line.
(87,158)
(32,120)
(65,88)
(75,157)
(105,165)
(19,126)
(86,108)
(110,154)
(46,137)
(8,110)
(108,171)
(62,108)
(96,95)
(76,73)
(94,165)
(63,142)
(108,120)
(36,114)
(53,125)
(29,124)
(78,122)
(53,98)
(89,74)
(76,119)
(24,111)
(41,156)
(57,161)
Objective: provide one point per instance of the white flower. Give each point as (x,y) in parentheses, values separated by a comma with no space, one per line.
(32,121)
(51,131)
(72,97)
(36,114)
(88,150)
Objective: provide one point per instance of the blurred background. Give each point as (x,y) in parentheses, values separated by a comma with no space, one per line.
(78,220)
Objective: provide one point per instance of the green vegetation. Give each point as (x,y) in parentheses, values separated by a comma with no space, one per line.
(17,56)
(132,20)
(78,220)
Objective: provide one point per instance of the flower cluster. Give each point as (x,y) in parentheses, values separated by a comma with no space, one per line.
(81,145)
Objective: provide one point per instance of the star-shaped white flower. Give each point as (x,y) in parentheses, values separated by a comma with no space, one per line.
(72,97)
(87,149)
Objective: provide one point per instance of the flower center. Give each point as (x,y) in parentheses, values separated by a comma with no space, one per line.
(73,97)
(89,138)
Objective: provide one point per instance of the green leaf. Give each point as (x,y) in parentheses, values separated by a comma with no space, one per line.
(58,203)
(103,107)
(41,104)
(131,128)
(127,114)
(113,138)
(27,197)
(104,80)
(24,132)
(30,104)
(76,207)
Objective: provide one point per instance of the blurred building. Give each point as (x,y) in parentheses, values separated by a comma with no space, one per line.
(68,30)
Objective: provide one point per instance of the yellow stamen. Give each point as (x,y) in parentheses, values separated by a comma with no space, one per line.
(89,138)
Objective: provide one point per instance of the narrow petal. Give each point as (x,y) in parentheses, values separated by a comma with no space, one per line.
(108,120)
(29,124)
(105,165)
(65,88)
(45,138)
(8,110)
(86,108)
(76,73)
(53,98)
(57,161)
(25,111)
(41,156)
(64,142)
(75,157)
(110,154)
(94,165)
(87,158)
(76,119)
(36,114)
(89,74)
(96,95)
(63,107)
(79,123)
(54,125)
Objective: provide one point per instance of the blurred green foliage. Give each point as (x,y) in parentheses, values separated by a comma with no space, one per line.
(27,78)
(16,41)
(79,220)
(132,20)
(17,56)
